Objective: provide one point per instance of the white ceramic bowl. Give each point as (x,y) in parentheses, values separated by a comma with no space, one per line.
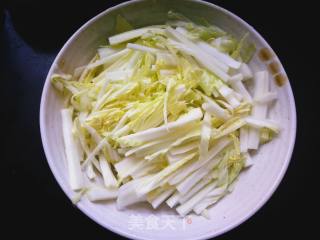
(255,185)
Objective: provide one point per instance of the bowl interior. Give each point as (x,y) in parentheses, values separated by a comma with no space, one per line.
(254,186)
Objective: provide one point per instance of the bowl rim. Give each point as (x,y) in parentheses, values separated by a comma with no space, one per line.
(119,230)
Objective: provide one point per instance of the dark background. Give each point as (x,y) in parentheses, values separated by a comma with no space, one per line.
(32,33)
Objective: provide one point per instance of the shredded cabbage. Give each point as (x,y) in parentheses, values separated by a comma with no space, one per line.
(163,114)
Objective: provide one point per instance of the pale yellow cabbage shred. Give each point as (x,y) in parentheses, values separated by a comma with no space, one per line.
(154,97)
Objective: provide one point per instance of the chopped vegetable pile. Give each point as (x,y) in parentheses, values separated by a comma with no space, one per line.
(163,114)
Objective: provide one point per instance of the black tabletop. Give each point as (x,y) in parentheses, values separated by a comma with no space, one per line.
(32,33)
